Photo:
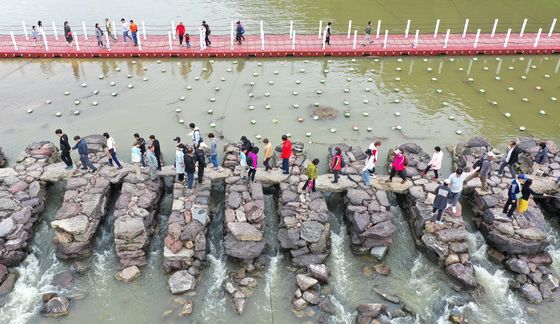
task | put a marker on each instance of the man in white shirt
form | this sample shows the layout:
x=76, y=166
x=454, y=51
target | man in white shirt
x=125, y=30
x=112, y=149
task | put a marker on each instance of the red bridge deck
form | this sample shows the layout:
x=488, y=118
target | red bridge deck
x=281, y=46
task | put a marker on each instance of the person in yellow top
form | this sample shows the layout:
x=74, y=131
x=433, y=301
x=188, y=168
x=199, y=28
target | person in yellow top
x=311, y=174
x=267, y=154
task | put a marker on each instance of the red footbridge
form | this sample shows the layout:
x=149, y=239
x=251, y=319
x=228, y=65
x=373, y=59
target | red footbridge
x=161, y=44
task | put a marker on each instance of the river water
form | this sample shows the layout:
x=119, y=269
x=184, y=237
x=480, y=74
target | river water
x=433, y=97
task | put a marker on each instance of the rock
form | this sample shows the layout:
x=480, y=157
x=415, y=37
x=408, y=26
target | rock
x=22, y=216
x=248, y=282
x=532, y=294
x=234, y=200
x=319, y=272
x=506, y=228
x=311, y=297
x=518, y=266
x=3, y=272
x=75, y=225
x=186, y=309
x=512, y=245
x=464, y=274
x=382, y=198
x=55, y=307
x=451, y=259
x=495, y=255
x=311, y=231
x=239, y=302
x=326, y=306
x=63, y=279
x=456, y=316
x=289, y=196
x=128, y=274
x=300, y=303
x=531, y=233
x=307, y=259
x=8, y=283
x=453, y=235
x=382, y=269
x=417, y=192
x=371, y=310
x=7, y=226
x=357, y=196
x=181, y=282
x=550, y=282
x=305, y=282
x=478, y=141
x=244, y=231
x=230, y=288
x=379, y=252
x=243, y=249
x=380, y=231
x=45, y=297
x=441, y=249
x=388, y=297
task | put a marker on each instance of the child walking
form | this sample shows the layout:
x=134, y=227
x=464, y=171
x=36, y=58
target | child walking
x=311, y=174
x=252, y=159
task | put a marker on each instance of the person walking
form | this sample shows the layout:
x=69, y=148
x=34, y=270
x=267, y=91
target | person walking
x=201, y=161
x=541, y=160
x=67, y=34
x=268, y=152
x=511, y=158
x=152, y=162
x=367, y=35
x=442, y=195
x=82, y=148
x=188, y=40
x=246, y=144
x=456, y=181
x=328, y=33
x=65, y=149
x=239, y=31
x=252, y=162
x=311, y=173
x=398, y=166
x=514, y=194
x=34, y=34
x=243, y=163
x=40, y=28
x=142, y=146
x=213, y=151
x=125, y=30
x=109, y=30
x=134, y=31
x=157, y=150
x=207, y=31
x=369, y=167
x=99, y=35
x=135, y=157
x=190, y=167
x=180, y=162
x=180, y=31
x=196, y=137
x=285, y=154
x=526, y=192
x=112, y=150
x=337, y=164
x=485, y=170
x=374, y=147
x=435, y=163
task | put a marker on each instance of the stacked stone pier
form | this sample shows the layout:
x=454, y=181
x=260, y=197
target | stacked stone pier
x=22, y=197
x=519, y=243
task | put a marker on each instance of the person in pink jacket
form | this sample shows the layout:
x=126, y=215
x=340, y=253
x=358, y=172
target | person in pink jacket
x=435, y=163
x=398, y=166
x=252, y=160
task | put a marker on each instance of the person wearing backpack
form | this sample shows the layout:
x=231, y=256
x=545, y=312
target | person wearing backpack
x=514, y=194
x=239, y=31
x=398, y=166
x=142, y=148
x=99, y=35
x=190, y=167
x=252, y=160
x=337, y=164
x=541, y=159
x=311, y=173
x=374, y=147
x=197, y=139
x=243, y=163
x=201, y=160
x=442, y=196
x=369, y=167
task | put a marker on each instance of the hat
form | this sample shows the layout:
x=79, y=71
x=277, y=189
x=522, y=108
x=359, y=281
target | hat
x=446, y=181
x=522, y=177
x=397, y=151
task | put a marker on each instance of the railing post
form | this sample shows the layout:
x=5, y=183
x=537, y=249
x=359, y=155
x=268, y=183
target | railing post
x=476, y=38
x=494, y=27
x=54, y=30
x=202, y=44
x=355, y=39
x=170, y=41
x=320, y=28
x=324, y=39
x=415, y=43
x=85, y=31
x=173, y=29
x=466, y=27
x=139, y=43
x=115, y=31
x=507, y=37
x=349, y=27
x=231, y=36
x=446, y=38
x=291, y=28
x=537, y=38
x=77, y=43
x=262, y=36
x=407, y=28
x=523, y=27
x=294, y=40
x=13, y=40
x=109, y=43
x=378, y=29
x=551, y=27
x=25, y=30
x=45, y=41
x=437, y=27
x=385, y=40
x=143, y=30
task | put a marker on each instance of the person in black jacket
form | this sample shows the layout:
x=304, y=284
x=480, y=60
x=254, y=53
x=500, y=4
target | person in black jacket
x=246, y=144
x=201, y=160
x=190, y=167
x=157, y=150
x=65, y=149
x=142, y=142
x=512, y=156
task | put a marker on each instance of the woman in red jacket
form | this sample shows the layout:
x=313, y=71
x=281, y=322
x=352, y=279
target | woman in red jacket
x=398, y=166
x=336, y=164
x=286, y=153
x=180, y=31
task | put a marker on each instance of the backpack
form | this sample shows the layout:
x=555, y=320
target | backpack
x=342, y=162
x=249, y=160
x=242, y=31
x=405, y=160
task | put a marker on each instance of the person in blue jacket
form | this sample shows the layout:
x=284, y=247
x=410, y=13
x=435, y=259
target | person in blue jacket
x=514, y=193
x=82, y=148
